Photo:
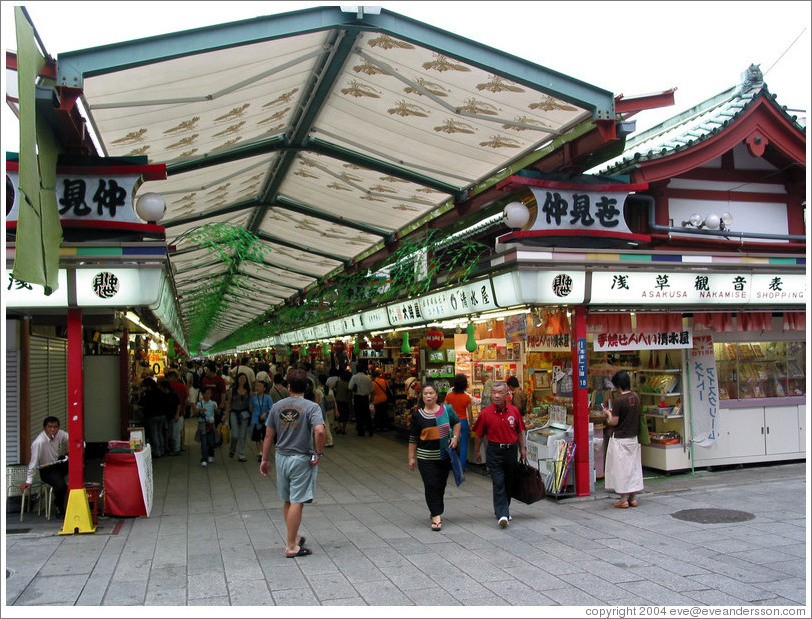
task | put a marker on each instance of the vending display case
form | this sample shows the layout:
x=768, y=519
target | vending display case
x=758, y=370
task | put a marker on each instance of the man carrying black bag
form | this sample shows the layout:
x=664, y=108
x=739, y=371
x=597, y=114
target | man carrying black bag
x=503, y=426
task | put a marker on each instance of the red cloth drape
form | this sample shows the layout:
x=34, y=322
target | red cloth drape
x=794, y=321
x=720, y=322
x=754, y=321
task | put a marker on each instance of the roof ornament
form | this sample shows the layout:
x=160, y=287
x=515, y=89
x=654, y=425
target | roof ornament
x=752, y=79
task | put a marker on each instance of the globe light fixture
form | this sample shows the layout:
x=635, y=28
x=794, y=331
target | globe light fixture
x=694, y=220
x=713, y=221
x=516, y=215
x=150, y=207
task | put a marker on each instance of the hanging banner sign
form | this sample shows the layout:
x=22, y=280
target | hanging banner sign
x=375, y=320
x=567, y=207
x=97, y=195
x=96, y=287
x=470, y=298
x=549, y=343
x=115, y=287
x=20, y=294
x=668, y=288
x=703, y=386
x=666, y=340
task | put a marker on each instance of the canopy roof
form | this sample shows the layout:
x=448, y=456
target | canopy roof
x=322, y=133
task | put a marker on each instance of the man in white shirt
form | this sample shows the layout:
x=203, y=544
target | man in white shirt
x=46, y=450
x=361, y=387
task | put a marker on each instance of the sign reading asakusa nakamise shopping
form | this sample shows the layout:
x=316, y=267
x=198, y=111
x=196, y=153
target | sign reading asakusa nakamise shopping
x=657, y=288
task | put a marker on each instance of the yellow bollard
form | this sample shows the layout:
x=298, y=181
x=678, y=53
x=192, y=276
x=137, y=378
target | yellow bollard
x=77, y=514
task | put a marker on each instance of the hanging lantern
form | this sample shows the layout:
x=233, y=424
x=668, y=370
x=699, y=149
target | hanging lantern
x=406, y=348
x=470, y=343
x=325, y=350
x=170, y=349
x=313, y=350
x=377, y=343
x=357, y=349
x=434, y=339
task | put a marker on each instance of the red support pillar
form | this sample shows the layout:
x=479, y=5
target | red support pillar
x=580, y=403
x=76, y=421
x=77, y=514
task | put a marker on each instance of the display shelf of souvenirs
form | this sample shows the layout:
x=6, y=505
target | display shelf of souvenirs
x=755, y=370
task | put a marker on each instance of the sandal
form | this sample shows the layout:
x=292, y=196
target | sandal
x=633, y=503
x=622, y=504
x=437, y=526
x=303, y=552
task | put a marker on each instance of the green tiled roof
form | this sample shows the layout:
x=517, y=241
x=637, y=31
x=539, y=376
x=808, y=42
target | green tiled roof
x=692, y=126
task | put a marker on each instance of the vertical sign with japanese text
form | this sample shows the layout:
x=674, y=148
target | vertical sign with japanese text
x=704, y=391
x=582, y=384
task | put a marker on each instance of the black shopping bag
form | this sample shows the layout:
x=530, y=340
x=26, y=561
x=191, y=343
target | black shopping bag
x=527, y=485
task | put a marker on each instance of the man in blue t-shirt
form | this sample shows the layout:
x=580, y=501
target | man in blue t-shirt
x=294, y=422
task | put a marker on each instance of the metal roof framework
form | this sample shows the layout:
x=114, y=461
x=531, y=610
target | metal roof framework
x=326, y=134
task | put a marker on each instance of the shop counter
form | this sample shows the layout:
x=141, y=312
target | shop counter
x=128, y=483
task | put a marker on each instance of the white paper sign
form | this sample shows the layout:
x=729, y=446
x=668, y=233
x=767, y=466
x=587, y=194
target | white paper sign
x=703, y=385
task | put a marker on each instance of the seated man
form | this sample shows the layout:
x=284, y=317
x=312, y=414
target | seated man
x=46, y=450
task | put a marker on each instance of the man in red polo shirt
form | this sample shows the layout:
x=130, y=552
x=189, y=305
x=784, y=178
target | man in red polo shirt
x=503, y=426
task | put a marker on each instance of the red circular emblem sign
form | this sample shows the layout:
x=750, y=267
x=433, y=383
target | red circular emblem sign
x=434, y=339
x=377, y=343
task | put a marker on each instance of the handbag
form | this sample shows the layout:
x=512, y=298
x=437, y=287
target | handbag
x=222, y=434
x=456, y=465
x=643, y=437
x=527, y=485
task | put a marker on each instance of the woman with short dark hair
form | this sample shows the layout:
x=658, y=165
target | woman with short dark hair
x=624, y=468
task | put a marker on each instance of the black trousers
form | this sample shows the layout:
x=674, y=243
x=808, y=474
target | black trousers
x=502, y=464
x=54, y=476
x=381, y=419
x=363, y=418
x=435, y=477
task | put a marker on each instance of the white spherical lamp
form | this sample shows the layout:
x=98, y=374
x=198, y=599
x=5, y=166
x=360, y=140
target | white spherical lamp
x=712, y=221
x=516, y=215
x=150, y=207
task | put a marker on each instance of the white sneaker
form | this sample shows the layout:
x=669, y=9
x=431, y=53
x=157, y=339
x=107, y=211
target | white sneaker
x=503, y=522
x=203, y=464
x=211, y=459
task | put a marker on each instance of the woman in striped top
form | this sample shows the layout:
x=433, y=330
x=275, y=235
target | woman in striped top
x=433, y=428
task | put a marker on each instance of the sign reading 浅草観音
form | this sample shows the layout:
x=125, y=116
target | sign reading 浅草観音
x=687, y=288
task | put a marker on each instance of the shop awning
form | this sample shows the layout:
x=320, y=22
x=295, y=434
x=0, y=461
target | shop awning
x=322, y=133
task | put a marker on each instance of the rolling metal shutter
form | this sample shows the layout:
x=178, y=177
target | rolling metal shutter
x=49, y=382
x=12, y=412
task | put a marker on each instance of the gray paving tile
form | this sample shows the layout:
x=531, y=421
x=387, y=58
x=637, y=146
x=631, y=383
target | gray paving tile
x=125, y=593
x=382, y=593
x=253, y=592
x=301, y=596
x=208, y=585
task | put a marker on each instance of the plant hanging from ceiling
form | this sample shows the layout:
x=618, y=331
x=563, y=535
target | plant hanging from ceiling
x=231, y=245
x=412, y=269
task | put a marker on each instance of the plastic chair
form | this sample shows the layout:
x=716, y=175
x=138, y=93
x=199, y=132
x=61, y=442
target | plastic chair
x=16, y=475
